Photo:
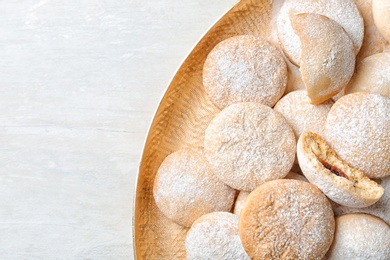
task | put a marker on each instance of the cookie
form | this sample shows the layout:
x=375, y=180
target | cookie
x=344, y=12
x=247, y=144
x=334, y=177
x=286, y=219
x=328, y=60
x=186, y=188
x=358, y=130
x=244, y=68
x=301, y=114
x=360, y=237
x=381, y=14
x=242, y=196
x=215, y=236
x=380, y=209
x=372, y=75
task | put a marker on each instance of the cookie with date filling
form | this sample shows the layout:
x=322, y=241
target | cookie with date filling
x=358, y=129
x=339, y=181
x=380, y=209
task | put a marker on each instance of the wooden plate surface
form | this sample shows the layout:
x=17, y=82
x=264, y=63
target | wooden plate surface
x=185, y=112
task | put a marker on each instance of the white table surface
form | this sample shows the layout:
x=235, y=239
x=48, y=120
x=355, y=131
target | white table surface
x=79, y=84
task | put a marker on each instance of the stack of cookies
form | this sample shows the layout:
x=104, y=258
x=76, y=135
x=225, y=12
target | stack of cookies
x=298, y=175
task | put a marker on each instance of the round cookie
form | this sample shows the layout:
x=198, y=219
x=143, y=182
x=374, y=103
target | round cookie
x=241, y=198
x=334, y=177
x=215, y=236
x=360, y=237
x=381, y=14
x=327, y=60
x=380, y=209
x=286, y=219
x=301, y=114
x=186, y=188
x=372, y=75
x=358, y=129
x=248, y=144
x=244, y=69
x=344, y=12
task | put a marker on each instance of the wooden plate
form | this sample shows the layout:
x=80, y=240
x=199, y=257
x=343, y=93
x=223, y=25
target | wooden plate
x=185, y=112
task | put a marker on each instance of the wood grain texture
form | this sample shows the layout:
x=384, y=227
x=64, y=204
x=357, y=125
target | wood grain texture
x=79, y=84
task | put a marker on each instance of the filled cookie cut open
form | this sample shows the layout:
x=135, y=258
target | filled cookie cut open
x=340, y=182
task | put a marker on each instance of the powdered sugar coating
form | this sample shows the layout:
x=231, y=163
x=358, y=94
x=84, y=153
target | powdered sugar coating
x=381, y=14
x=360, y=237
x=248, y=144
x=372, y=75
x=358, y=129
x=243, y=195
x=244, y=69
x=301, y=114
x=215, y=236
x=351, y=189
x=186, y=188
x=286, y=219
x=344, y=12
x=327, y=60
x=381, y=209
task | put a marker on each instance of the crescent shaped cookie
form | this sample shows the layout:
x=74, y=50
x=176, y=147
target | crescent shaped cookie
x=344, y=12
x=328, y=59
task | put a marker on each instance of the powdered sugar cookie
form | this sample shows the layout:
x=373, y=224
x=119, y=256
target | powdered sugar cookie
x=358, y=129
x=286, y=219
x=372, y=75
x=244, y=69
x=334, y=177
x=248, y=144
x=215, y=236
x=186, y=188
x=328, y=59
x=301, y=114
x=242, y=196
x=344, y=12
x=360, y=237
x=381, y=14
x=380, y=209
